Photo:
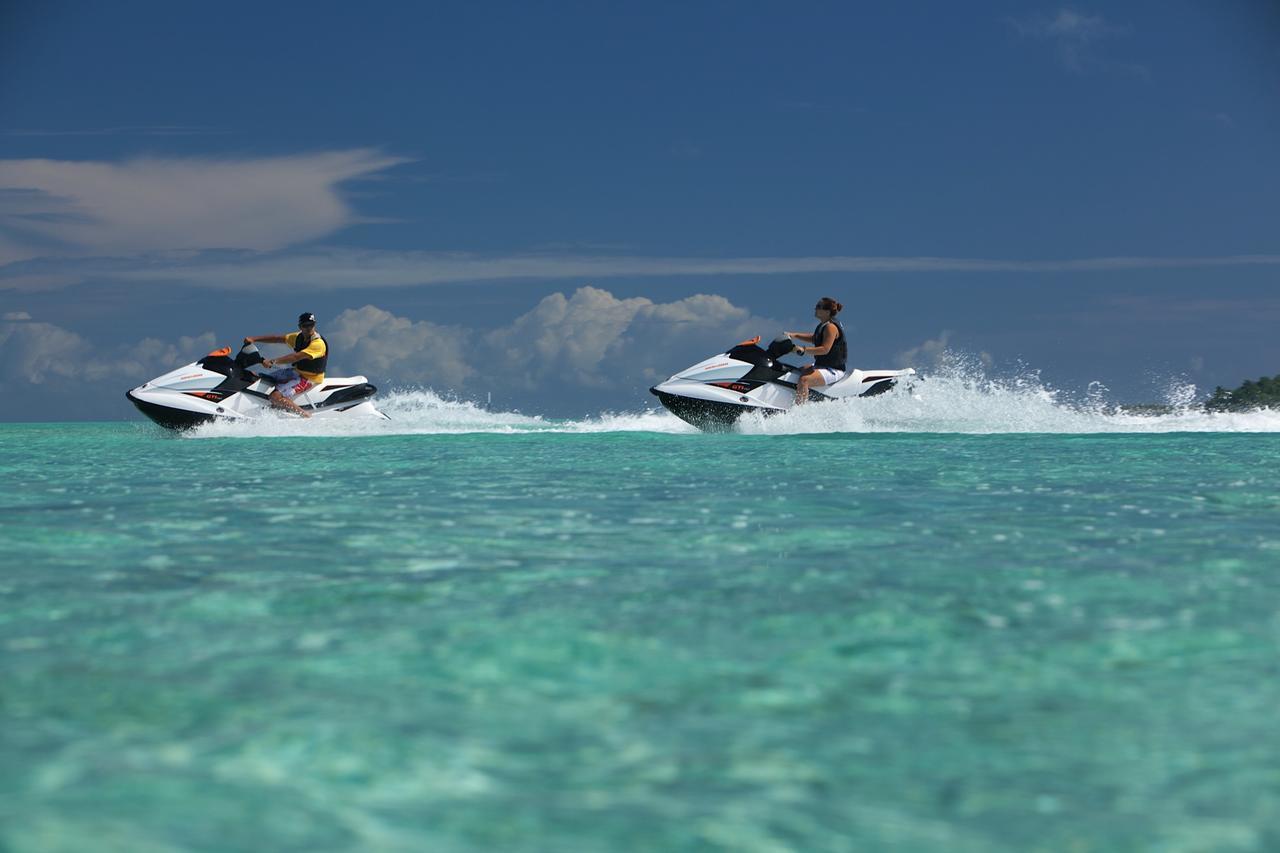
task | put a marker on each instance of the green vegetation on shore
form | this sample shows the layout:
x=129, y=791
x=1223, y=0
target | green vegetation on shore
x=1251, y=395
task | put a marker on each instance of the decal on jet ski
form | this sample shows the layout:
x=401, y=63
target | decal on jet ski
x=740, y=387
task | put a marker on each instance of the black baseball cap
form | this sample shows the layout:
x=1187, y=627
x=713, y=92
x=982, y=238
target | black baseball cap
x=305, y=318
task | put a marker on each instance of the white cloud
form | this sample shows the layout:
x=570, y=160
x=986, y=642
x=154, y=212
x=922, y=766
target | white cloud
x=937, y=353
x=595, y=339
x=355, y=269
x=151, y=205
x=589, y=339
x=374, y=341
x=929, y=352
x=32, y=353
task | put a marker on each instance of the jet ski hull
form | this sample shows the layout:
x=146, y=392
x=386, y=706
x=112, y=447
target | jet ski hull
x=709, y=415
x=168, y=416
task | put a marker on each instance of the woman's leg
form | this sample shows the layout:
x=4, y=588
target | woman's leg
x=812, y=379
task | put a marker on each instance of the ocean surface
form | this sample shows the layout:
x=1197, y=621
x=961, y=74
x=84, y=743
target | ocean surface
x=955, y=619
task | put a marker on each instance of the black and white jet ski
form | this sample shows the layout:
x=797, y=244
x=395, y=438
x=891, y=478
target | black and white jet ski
x=715, y=392
x=221, y=387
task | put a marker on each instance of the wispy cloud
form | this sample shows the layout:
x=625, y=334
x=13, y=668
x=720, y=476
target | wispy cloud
x=354, y=269
x=1075, y=37
x=152, y=205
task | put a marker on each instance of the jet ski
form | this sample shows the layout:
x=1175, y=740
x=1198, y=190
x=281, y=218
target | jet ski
x=221, y=387
x=715, y=392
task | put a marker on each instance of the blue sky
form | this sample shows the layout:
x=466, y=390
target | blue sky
x=555, y=203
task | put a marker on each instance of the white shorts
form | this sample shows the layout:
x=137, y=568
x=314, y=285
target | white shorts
x=829, y=374
x=289, y=382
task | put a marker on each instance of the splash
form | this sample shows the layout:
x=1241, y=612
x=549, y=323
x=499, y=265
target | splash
x=959, y=397
x=424, y=412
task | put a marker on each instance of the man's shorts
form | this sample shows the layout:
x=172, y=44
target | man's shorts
x=289, y=382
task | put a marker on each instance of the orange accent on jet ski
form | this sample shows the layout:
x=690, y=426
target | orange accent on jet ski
x=220, y=352
x=751, y=342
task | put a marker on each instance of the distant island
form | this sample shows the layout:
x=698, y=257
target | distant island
x=1251, y=395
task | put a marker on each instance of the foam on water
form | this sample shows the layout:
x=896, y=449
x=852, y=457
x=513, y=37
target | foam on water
x=957, y=398
x=950, y=404
x=424, y=412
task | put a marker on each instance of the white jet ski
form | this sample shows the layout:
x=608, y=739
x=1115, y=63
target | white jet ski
x=714, y=393
x=221, y=387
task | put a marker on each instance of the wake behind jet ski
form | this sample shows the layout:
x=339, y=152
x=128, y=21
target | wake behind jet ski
x=221, y=387
x=715, y=392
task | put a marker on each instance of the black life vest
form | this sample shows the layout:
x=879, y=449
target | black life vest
x=838, y=354
x=310, y=365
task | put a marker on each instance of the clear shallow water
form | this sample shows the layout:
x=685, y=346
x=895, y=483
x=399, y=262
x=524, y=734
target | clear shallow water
x=476, y=631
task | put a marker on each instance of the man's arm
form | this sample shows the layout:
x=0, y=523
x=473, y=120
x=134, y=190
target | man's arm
x=315, y=349
x=265, y=339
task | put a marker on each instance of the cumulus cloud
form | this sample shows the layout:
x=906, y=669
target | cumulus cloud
x=936, y=353
x=153, y=205
x=380, y=343
x=33, y=352
x=594, y=339
x=587, y=339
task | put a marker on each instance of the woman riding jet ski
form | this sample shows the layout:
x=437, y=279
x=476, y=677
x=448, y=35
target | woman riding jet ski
x=218, y=386
x=715, y=392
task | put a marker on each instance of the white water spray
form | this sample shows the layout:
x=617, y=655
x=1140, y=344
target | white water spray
x=959, y=397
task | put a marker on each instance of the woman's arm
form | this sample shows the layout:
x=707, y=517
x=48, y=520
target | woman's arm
x=828, y=339
x=800, y=336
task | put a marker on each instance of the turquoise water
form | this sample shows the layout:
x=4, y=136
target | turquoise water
x=476, y=631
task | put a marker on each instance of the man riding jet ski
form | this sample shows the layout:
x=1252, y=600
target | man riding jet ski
x=219, y=386
x=714, y=393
